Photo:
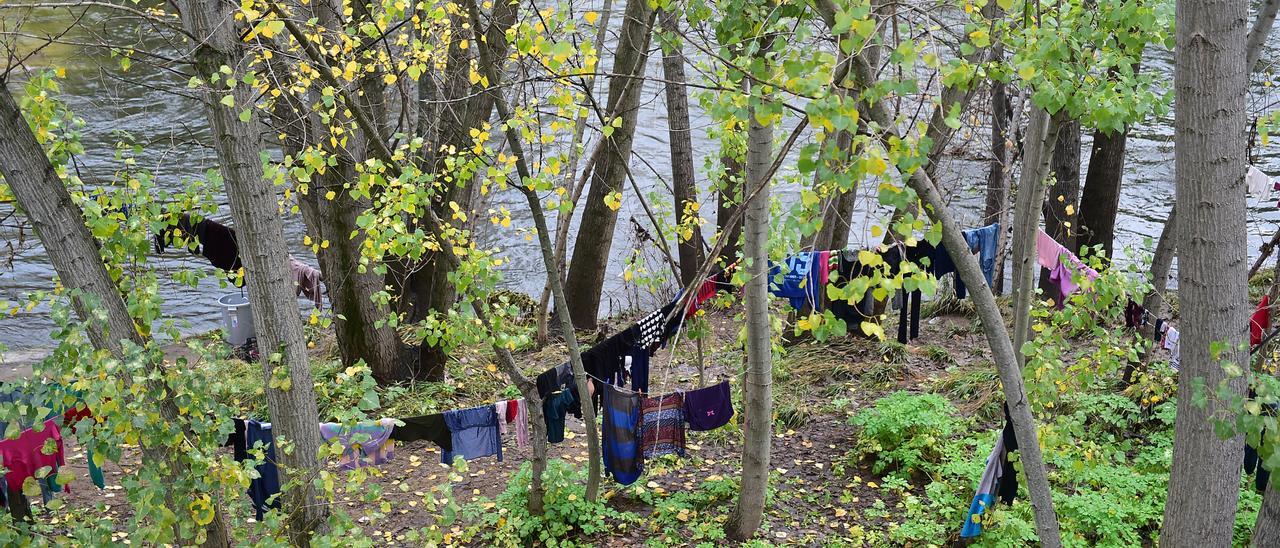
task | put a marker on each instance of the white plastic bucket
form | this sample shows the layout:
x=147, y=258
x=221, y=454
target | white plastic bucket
x=237, y=318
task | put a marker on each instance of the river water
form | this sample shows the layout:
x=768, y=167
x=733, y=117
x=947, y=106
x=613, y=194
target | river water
x=175, y=139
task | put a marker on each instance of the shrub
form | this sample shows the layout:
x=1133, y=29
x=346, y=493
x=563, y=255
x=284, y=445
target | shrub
x=903, y=432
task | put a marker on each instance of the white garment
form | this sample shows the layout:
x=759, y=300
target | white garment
x=1257, y=183
x=1174, y=347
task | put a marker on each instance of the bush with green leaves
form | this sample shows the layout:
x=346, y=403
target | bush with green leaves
x=904, y=433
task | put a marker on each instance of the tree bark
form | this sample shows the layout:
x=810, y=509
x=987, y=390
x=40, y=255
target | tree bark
x=758, y=386
x=683, y=181
x=74, y=254
x=728, y=199
x=590, y=261
x=290, y=396
x=999, y=170
x=1266, y=530
x=1210, y=142
x=1262, y=25
x=1100, y=199
x=1038, y=151
x=1064, y=196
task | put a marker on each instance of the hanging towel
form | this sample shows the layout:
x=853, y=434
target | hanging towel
x=1257, y=183
x=249, y=433
x=1260, y=322
x=474, y=432
x=620, y=445
x=708, y=408
x=427, y=427
x=986, y=495
x=365, y=444
x=1172, y=344
x=521, y=420
x=500, y=407
x=662, y=426
x=554, y=410
x=307, y=281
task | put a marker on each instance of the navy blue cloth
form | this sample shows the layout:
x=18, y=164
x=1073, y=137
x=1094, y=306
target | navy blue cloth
x=474, y=432
x=800, y=284
x=249, y=433
x=639, y=369
x=620, y=444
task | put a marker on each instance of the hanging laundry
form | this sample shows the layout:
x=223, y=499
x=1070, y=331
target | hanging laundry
x=25, y=455
x=307, y=281
x=365, y=444
x=637, y=362
x=801, y=279
x=620, y=447
x=1252, y=464
x=427, y=427
x=475, y=433
x=1061, y=263
x=521, y=420
x=853, y=313
x=662, y=426
x=71, y=419
x=1257, y=183
x=248, y=435
x=1134, y=315
x=716, y=282
x=554, y=410
x=604, y=362
x=708, y=408
x=985, y=242
x=1174, y=347
x=554, y=379
x=1260, y=321
x=500, y=407
x=649, y=332
x=216, y=242
x=986, y=496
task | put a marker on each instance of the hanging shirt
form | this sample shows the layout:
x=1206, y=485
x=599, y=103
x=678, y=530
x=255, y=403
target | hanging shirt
x=708, y=408
x=521, y=421
x=554, y=379
x=554, y=410
x=249, y=433
x=1134, y=314
x=1260, y=321
x=474, y=432
x=307, y=281
x=427, y=427
x=984, y=241
x=1061, y=263
x=1257, y=183
x=217, y=242
x=853, y=313
x=500, y=407
x=25, y=455
x=365, y=444
x=801, y=279
x=1172, y=344
x=662, y=426
x=620, y=446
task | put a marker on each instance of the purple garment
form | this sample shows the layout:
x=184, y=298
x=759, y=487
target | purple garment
x=708, y=408
x=365, y=444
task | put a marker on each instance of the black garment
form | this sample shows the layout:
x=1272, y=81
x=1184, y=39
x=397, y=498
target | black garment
x=549, y=381
x=1158, y=334
x=1007, y=490
x=427, y=427
x=1134, y=314
x=217, y=242
x=604, y=361
x=848, y=268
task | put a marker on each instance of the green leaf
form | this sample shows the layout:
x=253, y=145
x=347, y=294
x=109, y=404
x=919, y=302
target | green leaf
x=228, y=101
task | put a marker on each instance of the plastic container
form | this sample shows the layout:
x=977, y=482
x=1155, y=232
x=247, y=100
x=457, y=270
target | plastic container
x=237, y=318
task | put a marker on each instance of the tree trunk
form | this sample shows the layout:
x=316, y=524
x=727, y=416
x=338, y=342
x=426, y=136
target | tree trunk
x=1064, y=196
x=999, y=170
x=1266, y=530
x=758, y=384
x=1040, y=138
x=683, y=182
x=1262, y=25
x=590, y=260
x=74, y=254
x=1209, y=164
x=728, y=198
x=1100, y=200
x=290, y=396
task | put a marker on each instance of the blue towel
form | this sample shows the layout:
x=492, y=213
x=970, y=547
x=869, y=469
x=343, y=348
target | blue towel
x=474, y=432
x=986, y=495
x=800, y=283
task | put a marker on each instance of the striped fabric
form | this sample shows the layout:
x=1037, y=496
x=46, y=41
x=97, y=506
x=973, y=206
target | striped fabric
x=662, y=425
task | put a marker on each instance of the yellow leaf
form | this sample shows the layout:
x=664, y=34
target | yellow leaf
x=389, y=78
x=591, y=17
x=330, y=195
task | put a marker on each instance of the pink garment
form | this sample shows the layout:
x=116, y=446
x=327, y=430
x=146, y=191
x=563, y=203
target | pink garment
x=824, y=271
x=24, y=456
x=365, y=444
x=501, y=408
x=522, y=423
x=1048, y=250
x=307, y=280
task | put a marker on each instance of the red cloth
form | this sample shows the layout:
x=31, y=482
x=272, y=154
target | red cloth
x=512, y=407
x=74, y=414
x=824, y=271
x=24, y=455
x=1260, y=322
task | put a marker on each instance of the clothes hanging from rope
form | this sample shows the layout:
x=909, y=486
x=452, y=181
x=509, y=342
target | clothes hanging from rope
x=554, y=379
x=662, y=426
x=520, y=419
x=620, y=445
x=215, y=241
x=364, y=444
x=708, y=408
x=25, y=455
x=555, y=408
x=248, y=434
x=985, y=241
x=1061, y=263
x=801, y=279
x=637, y=363
x=1260, y=321
x=426, y=427
x=1257, y=183
x=306, y=279
x=474, y=432
x=853, y=313
x=986, y=495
